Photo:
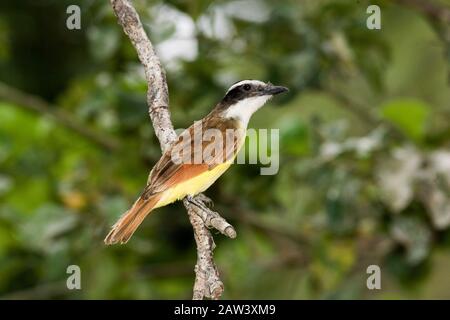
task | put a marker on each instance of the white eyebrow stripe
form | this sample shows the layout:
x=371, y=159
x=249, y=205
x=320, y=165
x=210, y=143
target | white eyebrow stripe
x=253, y=82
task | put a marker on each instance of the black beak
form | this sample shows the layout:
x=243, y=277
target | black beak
x=273, y=90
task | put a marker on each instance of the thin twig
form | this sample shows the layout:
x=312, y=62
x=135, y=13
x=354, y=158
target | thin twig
x=38, y=105
x=207, y=281
x=433, y=10
x=365, y=114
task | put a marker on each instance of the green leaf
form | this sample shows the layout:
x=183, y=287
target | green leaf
x=295, y=137
x=408, y=115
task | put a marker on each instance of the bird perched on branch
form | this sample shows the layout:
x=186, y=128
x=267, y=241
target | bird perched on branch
x=200, y=155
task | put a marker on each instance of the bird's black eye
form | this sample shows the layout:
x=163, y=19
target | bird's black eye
x=247, y=87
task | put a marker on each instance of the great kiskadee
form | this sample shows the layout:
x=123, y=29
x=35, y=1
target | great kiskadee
x=171, y=179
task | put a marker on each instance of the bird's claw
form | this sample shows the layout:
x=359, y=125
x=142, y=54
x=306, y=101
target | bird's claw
x=206, y=200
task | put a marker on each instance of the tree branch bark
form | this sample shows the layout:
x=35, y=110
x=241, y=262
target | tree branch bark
x=207, y=282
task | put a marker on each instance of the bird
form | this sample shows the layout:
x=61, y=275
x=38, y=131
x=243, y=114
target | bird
x=195, y=161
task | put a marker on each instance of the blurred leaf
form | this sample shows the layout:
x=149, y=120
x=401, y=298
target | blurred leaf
x=294, y=137
x=397, y=175
x=44, y=230
x=408, y=115
x=104, y=41
x=414, y=236
x=435, y=188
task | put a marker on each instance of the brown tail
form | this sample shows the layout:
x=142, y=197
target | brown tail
x=124, y=228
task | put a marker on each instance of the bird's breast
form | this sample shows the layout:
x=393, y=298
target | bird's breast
x=203, y=181
x=193, y=186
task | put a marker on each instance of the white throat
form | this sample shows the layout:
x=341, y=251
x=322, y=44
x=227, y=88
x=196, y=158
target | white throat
x=244, y=109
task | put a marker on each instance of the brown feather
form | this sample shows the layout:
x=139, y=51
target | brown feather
x=124, y=228
x=166, y=174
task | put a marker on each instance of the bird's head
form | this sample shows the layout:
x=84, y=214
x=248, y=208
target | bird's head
x=246, y=96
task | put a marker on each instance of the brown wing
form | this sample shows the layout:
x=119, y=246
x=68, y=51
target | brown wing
x=198, y=149
x=205, y=152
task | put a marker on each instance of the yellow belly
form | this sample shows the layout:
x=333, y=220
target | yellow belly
x=192, y=186
x=199, y=183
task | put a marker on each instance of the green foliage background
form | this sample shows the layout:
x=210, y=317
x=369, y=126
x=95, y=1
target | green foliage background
x=364, y=152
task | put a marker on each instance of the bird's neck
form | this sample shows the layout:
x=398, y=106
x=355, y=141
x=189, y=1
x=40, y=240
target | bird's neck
x=244, y=109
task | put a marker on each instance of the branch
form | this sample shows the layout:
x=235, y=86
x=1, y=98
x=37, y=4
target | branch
x=433, y=10
x=38, y=105
x=364, y=114
x=207, y=281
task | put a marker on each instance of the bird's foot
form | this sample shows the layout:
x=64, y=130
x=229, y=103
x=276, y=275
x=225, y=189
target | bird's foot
x=198, y=202
x=206, y=200
x=211, y=218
